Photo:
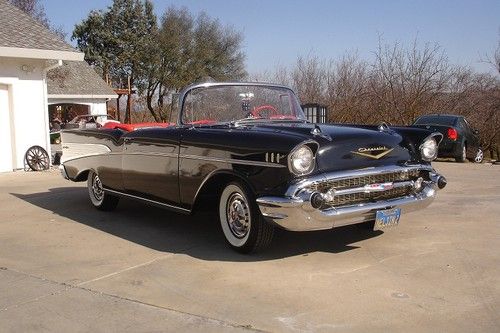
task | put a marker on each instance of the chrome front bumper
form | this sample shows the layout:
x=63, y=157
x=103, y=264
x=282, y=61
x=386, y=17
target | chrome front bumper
x=295, y=212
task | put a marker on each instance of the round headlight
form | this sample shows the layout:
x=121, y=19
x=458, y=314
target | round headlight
x=301, y=161
x=429, y=149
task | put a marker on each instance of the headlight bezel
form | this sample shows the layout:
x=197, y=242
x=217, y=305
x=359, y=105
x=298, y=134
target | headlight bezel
x=433, y=139
x=309, y=146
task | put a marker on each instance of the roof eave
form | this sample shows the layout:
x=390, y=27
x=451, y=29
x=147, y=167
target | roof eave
x=19, y=52
x=61, y=96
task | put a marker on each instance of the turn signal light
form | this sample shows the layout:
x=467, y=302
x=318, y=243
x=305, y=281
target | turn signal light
x=452, y=134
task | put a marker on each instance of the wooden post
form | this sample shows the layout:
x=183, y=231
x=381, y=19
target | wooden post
x=118, y=107
x=127, y=112
x=129, y=102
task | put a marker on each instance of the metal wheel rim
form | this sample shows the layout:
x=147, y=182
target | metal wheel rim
x=97, y=190
x=237, y=214
x=479, y=156
x=37, y=158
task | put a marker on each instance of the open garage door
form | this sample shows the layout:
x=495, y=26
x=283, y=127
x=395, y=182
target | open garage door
x=5, y=131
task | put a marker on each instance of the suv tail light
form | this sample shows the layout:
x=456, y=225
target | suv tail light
x=452, y=134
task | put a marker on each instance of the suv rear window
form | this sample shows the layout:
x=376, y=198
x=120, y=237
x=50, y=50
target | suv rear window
x=436, y=120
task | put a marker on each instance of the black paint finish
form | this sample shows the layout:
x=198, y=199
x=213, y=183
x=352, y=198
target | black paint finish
x=170, y=165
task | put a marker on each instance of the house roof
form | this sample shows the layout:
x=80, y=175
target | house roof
x=21, y=36
x=75, y=80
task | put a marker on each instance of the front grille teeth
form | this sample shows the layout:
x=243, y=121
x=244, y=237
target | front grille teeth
x=355, y=198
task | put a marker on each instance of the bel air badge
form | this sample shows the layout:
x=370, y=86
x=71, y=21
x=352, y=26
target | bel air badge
x=374, y=152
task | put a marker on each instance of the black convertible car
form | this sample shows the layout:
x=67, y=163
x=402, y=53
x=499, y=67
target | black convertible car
x=249, y=146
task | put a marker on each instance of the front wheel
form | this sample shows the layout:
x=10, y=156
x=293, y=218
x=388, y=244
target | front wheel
x=100, y=199
x=243, y=226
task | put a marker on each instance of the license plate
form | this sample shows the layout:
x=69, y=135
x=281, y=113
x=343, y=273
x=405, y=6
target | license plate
x=387, y=218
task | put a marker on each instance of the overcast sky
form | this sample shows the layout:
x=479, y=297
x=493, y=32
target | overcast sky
x=276, y=32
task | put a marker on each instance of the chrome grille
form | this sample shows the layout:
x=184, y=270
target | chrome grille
x=354, y=198
x=361, y=181
x=340, y=184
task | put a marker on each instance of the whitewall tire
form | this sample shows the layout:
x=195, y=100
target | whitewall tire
x=241, y=222
x=98, y=197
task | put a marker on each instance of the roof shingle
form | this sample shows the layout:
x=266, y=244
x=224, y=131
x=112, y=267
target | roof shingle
x=76, y=78
x=17, y=29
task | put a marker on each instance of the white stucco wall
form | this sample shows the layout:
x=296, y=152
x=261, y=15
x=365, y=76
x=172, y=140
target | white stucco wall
x=5, y=137
x=28, y=116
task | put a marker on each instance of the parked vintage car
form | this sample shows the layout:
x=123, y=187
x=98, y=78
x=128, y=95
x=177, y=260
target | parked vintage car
x=460, y=140
x=80, y=122
x=249, y=146
x=89, y=121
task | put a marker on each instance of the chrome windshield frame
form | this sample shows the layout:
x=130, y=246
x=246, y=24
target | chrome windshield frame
x=188, y=89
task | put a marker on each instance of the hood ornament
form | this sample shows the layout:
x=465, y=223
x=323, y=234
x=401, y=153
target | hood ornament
x=373, y=152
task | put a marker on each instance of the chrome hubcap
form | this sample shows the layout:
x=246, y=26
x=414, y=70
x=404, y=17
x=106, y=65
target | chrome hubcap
x=237, y=213
x=479, y=156
x=97, y=189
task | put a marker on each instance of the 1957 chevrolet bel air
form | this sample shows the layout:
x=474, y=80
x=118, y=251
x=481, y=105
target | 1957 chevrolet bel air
x=249, y=146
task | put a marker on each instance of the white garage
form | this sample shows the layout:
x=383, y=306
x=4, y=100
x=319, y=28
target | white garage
x=75, y=85
x=27, y=52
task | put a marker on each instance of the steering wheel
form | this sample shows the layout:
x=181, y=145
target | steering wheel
x=257, y=110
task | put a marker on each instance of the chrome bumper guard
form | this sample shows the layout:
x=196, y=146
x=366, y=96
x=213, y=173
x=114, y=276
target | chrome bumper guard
x=295, y=212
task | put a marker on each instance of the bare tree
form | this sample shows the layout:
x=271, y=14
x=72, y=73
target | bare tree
x=36, y=10
x=406, y=81
x=280, y=75
x=347, y=94
x=308, y=78
x=493, y=59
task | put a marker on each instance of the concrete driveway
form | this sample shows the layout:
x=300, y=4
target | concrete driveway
x=65, y=266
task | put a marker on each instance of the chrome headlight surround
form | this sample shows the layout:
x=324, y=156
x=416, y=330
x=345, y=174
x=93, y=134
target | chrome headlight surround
x=429, y=147
x=302, y=159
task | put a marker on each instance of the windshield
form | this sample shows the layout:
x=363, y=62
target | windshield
x=436, y=120
x=229, y=103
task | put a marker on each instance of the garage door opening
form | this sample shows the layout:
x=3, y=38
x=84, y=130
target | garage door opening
x=61, y=114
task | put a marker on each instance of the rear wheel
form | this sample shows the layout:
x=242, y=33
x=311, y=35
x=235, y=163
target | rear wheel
x=479, y=156
x=463, y=154
x=243, y=225
x=99, y=198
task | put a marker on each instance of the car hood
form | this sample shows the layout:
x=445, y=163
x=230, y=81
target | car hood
x=353, y=147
